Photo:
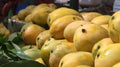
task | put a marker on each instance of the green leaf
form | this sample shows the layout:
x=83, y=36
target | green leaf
x=12, y=36
x=12, y=50
x=10, y=14
x=2, y=39
x=23, y=63
x=20, y=53
x=16, y=37
x=8, y=46
x=18, y=49
x=3, y=59
x=12, y=56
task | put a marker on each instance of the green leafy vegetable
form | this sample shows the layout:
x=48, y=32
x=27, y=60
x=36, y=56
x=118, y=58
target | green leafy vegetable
x=11, y=51
x=10, y=14
x=23, y=63
x=16, y=37
x=11, y=54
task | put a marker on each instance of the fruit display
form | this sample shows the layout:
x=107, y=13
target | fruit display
x=54, y=36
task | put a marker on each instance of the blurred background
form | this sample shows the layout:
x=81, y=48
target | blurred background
x=102, y=6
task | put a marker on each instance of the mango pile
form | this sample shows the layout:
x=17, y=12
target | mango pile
x=64, y=37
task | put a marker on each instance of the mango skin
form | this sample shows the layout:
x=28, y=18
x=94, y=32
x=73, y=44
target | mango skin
x=60, y=12
x=114, y=27
x=117, y=65
x=109, y=57
x=100, y=20
x=58, y=26
x=49, y=44
x=87, y=35
x=76, y=58
x=60, y=51
x=100, y=45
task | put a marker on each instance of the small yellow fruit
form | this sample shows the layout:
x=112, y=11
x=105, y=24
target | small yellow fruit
x=109, y=57
x=40, y=16
x=60, y=12
x=3, y=30
x=52, y=5
x=23, y=13
x=42, y=37
x=60, y=51
x=25, y=26
x=88, y=16
x=28, y=18
x=31, y=32
x=114, y=27
x=15, y=17
x=87, y=35
x=58, y=26
x=71, y=28
x=100, y=45
x=42, y=5
x=103, y=19
x=49, y=44
x=76, y=58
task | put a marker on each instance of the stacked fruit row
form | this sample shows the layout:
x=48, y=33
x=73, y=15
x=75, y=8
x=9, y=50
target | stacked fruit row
x=35, y=13
x=72, y=39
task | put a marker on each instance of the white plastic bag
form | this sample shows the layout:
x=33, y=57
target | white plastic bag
x=116, y=5
x=61, y=1
x=90, y=2
x=81, y=2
